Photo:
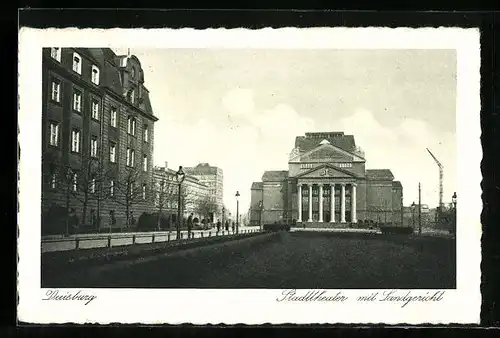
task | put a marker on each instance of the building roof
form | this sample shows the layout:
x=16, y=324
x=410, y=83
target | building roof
x=202, y=168
x=379, y=174
x=397, y=184
x=275, y=175
x=256, y=186
x=110, y=66
x=313, y=140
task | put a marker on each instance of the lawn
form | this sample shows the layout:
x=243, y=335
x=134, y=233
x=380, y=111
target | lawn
x=297, y=260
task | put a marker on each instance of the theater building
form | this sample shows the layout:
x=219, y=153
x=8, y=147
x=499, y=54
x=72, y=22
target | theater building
x=326, y=185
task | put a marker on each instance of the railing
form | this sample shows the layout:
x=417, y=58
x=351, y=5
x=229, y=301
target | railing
x=89, y=241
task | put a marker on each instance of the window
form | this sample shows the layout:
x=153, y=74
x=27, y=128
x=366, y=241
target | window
x=133, y=72
x=95, y=109
x=75, y=181
x=130, y=157
x=77, y=63
x=56, y=91
x=75, y=141
x=92, y=186
x=112, y=188
x=93, y=146
x=146, y=133
x=112, y=152
x=132, y=96
x=54, y=134
x=144, y=191
x=95, y=75
x=145, y=163
x=131, y=125
x=113, y=117
x=53, y=181
x=132, y=189
x=345, y=165
x=55, y=53
x=77, y=101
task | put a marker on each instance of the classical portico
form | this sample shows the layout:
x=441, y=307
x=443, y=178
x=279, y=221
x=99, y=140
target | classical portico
x=317, y=198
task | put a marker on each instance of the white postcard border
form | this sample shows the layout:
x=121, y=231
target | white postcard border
x=229, y=306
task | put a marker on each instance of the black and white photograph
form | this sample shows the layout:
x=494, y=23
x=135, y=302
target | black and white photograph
x=292, y=169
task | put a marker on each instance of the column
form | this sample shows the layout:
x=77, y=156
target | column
x=353, y=203
x=310, y=219
x=342, y=202
x=321, y=202
x=299, y=202
x=332, y=202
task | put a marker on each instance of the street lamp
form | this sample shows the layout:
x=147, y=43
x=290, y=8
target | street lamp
x=237, y=211
x=179, y=176
x=223, y=216
x=413, y=215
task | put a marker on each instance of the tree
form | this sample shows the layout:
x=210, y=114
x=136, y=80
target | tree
x=206, y=206
x=89, y=183
x=129, y=190
x=166, y=193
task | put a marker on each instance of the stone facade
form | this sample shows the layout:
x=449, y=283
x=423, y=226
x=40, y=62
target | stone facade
x=323, y=165
x=213, y=177
x=97, y=138
x=166, y=192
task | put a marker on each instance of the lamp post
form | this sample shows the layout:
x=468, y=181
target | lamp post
x=237, y=211
x=223, y=216
x=413, y=215
x=454, y=201
x=179, y=176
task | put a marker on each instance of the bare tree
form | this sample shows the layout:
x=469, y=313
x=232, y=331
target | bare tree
x=166, y=192
x=129, y=189
x=206, y=206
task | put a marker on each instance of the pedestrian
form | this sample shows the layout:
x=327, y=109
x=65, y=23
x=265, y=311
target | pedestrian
x=227, y=225
x=218, y=226
x=233, y=227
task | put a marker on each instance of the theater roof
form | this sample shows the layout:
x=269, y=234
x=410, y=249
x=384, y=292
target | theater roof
x=397, y=184
x=275, y=175
x=379, y=174
x=256, y=185
x=313, y=140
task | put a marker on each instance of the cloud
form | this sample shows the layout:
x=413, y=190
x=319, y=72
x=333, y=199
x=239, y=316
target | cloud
x=403, y=150
x=239, y=101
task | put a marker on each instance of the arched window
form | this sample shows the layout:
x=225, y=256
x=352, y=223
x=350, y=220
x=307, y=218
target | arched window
x=95, y=75
x=77, y=63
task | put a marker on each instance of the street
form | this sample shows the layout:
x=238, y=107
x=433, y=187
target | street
x=294, y=260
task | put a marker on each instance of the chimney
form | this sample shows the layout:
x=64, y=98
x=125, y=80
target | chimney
x=166, y=165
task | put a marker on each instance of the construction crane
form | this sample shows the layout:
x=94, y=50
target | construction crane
x=440, y=207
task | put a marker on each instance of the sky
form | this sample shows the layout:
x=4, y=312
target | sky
x=241, y=109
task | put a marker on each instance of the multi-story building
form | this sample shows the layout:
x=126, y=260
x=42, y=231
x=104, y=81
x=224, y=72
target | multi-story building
x=97, y=139
x=166, y=194
x=213, y=177
x=326, y=185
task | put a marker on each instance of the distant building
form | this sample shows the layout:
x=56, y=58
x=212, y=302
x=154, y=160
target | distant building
x=166, y=192
x=97, y=139
x=326, y=185
x=213, y=177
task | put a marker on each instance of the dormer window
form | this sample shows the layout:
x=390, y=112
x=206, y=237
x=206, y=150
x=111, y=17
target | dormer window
x=55, y=53
x=77, y=63
x=133, y=72
x=95, y=75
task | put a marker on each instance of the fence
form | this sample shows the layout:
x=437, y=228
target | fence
x=90, y=241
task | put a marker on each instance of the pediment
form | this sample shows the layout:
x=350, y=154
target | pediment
x=326, y=171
